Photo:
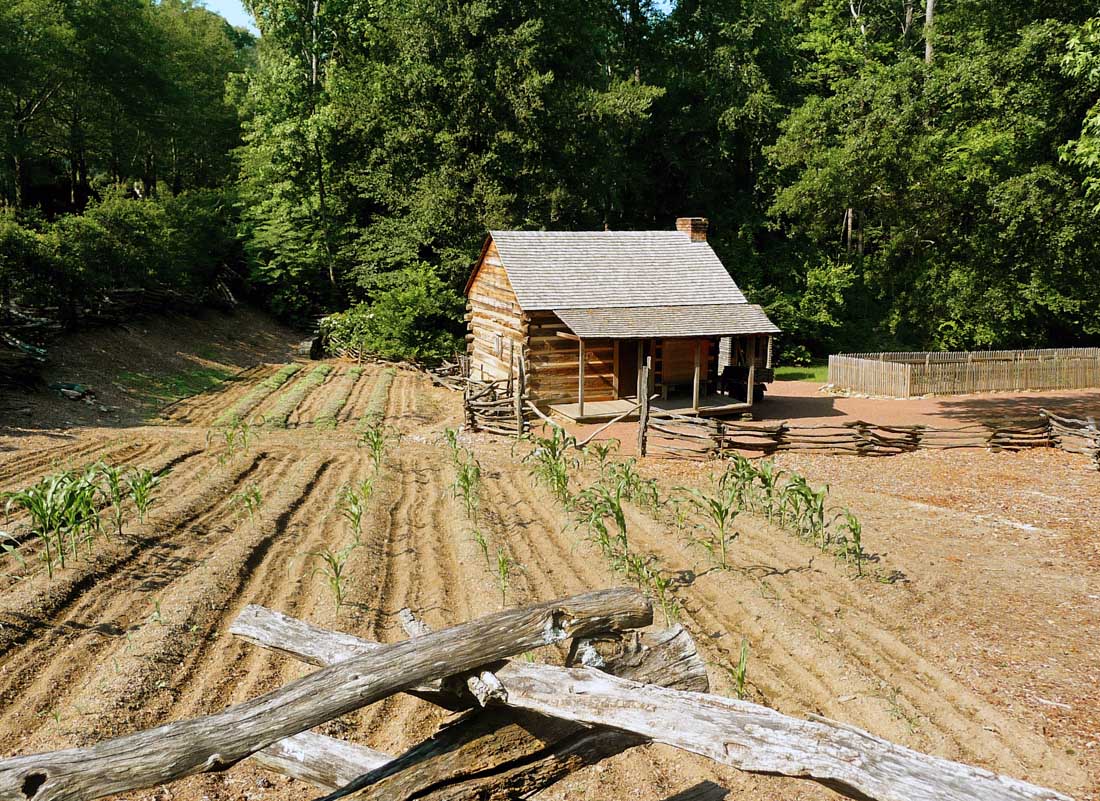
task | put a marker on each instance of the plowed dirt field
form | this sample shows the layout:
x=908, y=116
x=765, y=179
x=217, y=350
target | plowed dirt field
x=970, y=638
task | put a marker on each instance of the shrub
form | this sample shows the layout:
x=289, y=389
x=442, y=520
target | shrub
x=415, y=318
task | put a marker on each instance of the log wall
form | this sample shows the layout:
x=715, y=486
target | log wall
x=553, y=366
x=496, y=324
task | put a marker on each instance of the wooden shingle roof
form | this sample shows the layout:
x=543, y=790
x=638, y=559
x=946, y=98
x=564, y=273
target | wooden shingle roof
x=552, y=270
x=716, y=319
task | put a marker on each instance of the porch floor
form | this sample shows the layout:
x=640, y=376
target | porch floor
x=597, y=411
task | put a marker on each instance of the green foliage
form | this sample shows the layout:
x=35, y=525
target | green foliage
x=333, y=569
x=551, y=462
x=414, y=318
x=284, y=407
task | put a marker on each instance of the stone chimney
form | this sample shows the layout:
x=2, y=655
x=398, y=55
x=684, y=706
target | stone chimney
x=695, y=227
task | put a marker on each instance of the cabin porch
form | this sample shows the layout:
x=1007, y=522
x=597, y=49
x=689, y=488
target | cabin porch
x=604, y=410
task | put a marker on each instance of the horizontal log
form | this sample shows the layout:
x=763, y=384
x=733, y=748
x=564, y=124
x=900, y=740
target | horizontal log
x=510, y=752
x=757, y=739
x=319, y=760
x=215, y=742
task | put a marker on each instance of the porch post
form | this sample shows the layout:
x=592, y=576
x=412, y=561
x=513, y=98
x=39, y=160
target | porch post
x=580, y=378
x=752, y=372
x=615, y=369
x=769, y=364
x=695, y=379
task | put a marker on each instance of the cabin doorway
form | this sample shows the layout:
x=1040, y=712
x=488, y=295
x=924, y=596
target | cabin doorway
x=627, y=371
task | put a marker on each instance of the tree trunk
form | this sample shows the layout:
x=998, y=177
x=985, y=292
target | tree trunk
x=217, y=741
x=929, y=7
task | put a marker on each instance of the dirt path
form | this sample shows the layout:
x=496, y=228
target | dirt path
x=134, y=633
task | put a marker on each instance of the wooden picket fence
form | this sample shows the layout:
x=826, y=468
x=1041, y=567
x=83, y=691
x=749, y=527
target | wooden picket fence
x=707, y=438
x=526, y=725
x=915, y=373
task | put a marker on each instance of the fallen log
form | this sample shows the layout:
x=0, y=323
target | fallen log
x=494, y=753
x=322, y=761
x=743, y=735
x=757, y=739
x=215, y=742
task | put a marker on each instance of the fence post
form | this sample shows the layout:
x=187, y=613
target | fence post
x=468, y=409
x=643, y=408
x=520, y=390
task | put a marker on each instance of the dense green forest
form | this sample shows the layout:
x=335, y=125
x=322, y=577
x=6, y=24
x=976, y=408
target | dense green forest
x=877, y=173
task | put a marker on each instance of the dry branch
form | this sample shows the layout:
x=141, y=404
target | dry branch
x=215, y=742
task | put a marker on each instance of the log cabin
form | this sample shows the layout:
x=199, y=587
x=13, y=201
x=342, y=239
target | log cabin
x=583, y=311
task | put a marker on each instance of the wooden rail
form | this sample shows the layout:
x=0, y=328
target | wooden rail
x=914, y=373
x=706, y=438
x=539, y=722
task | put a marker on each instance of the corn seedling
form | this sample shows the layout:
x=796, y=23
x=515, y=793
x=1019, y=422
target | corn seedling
x=483, y=544
x=143, y=483
x=250, y=499
x=737, y=674
x=720, y=509
x=551, y=464
x=44, y=503
x=768, y=475
x=352, y=507
x=468, y=486
x=504, y=571
x=114, y=491
x=452, y=443
x=376, y=436
x=332, y=568
x=850, y=542
x=601, y=451
x=662, y=593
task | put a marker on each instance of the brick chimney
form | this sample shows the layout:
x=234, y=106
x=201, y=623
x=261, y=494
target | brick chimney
x=695, y=227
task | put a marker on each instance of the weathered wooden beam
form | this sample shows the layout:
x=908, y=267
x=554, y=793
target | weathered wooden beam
x=319, y=760
x=215, y=742
x=757, y=739
x=498, y=752
x=743, y=735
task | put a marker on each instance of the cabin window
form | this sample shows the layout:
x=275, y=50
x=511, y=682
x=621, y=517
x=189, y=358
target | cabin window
x=499, y=345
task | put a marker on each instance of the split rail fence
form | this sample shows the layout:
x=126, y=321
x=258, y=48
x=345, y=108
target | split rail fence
x=706, y=438
x=915, y=373
x=524, y=725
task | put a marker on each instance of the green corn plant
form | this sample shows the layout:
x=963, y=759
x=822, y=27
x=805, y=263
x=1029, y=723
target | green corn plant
x=333, y=565
x=80, y=511
x=768, y=475
x=850, y=542
x=601, y=451
x=483, y=544
x=504, y=571
x=375, y=436
x=551, y=463
x=143, y=484
x=43, y=503
x=352, y=507
x=738, y=480
x=720, y=509
x=737, y=674
x=661, y=587
x=467, y=486
x=250, y=499
x=114, y=491
x=452, y=443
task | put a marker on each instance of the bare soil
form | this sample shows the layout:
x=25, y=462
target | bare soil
x=972, y=637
